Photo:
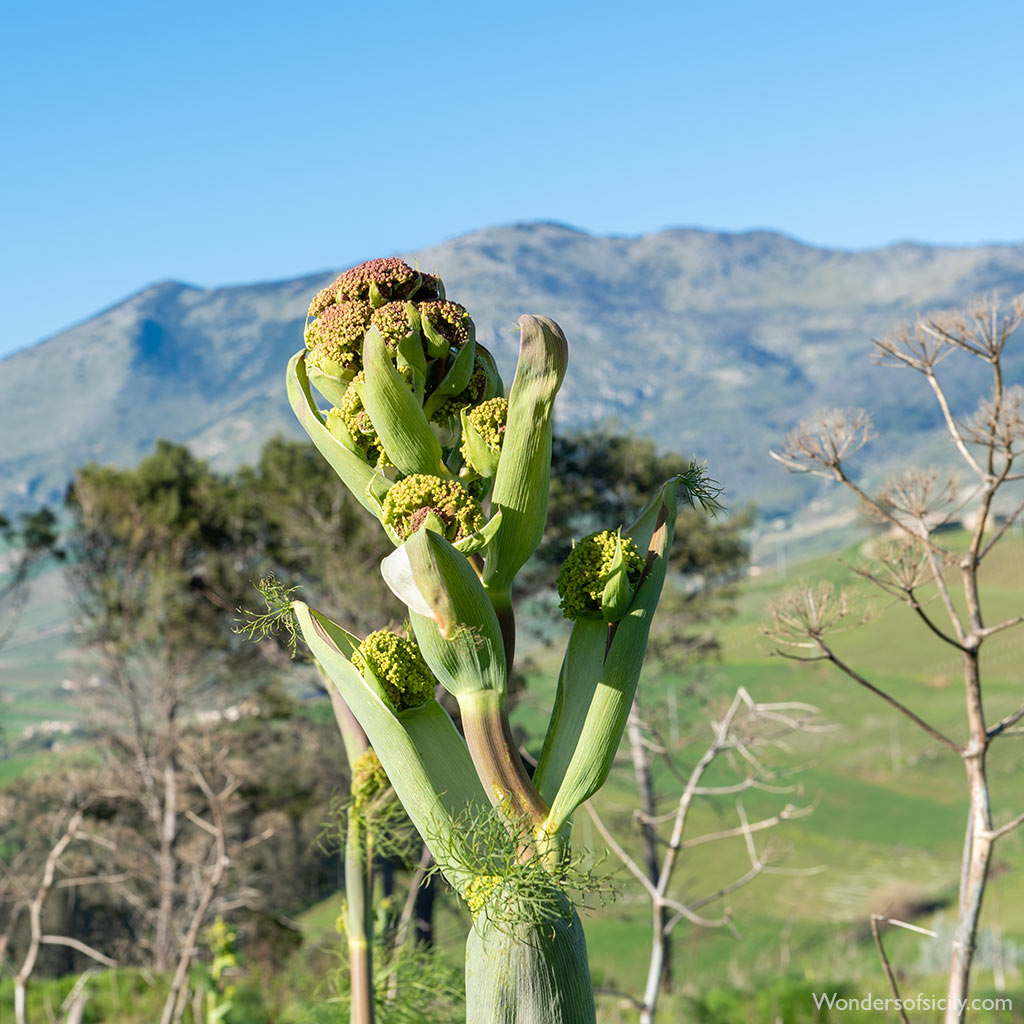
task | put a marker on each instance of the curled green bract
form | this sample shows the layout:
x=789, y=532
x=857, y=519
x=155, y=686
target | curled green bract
x=522, y=480
x=460, y=391
x=357, y=422
x=483, y=431
x=585, y=574
x=398, y=666
x=412, y=500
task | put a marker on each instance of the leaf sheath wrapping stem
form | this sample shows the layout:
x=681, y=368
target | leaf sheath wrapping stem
x=590, y=717
x=452, y=617
x=351, y=466
x=423, y=754
x=523, y=477
x=497, y=760
x=524, y=974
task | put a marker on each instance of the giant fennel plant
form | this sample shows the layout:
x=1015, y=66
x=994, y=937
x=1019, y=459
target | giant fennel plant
x=422, y=432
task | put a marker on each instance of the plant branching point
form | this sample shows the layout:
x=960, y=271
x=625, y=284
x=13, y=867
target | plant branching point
x=420, y=428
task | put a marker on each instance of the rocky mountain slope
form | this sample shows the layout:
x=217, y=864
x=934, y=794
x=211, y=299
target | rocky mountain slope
x=713, y=344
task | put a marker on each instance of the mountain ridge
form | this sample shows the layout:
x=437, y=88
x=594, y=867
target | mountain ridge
x=711, y=343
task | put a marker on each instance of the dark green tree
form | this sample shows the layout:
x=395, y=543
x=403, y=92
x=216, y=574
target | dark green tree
x=30, y=541
x=159, y=561
x=312, y=533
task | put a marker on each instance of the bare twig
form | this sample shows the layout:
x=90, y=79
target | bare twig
x=619, y=851
x=1007, y=828
x=1007, y=624
x=951, y=425
x=788, y=813
x=890, y=700
x=67, y=940
x=875, y=918
x=1004, y=724
x=1004, y=526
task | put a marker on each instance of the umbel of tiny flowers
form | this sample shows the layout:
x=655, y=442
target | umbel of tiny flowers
x=421, y=430
x=600, y=576
x=397, y=665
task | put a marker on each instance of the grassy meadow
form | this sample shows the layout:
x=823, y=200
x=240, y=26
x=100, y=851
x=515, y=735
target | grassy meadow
x=884, y=834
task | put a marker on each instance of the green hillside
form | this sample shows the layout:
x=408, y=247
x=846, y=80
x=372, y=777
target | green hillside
x=884, y=833
x=889, y=802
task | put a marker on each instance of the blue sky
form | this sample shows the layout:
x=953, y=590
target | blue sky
x=228, y=142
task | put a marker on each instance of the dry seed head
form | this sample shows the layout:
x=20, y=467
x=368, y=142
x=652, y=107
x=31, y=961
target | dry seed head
x=919, y=494
x=911, y=345
x=979, y=329
x=803, y=614
x=999, y=424
x=819, y=444
x=899, y=566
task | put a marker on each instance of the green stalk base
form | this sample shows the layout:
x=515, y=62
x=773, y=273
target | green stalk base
x=528, y=974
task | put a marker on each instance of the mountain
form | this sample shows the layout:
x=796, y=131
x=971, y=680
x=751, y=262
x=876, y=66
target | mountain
x=711, y=343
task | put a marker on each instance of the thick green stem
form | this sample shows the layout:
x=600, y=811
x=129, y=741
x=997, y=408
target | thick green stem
x=359, y=923
x=494, y=753
x=528, y=973
x=501, y=600
x=358, y=872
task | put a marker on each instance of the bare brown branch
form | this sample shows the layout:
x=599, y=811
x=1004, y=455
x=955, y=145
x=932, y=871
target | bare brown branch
x=875, y=918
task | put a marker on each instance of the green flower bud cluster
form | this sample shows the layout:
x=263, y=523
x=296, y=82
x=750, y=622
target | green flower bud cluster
x=489, y=419
x=389, y=295
x=369, y=779
x=585, y=573
x=410, y=501
x=447, y=320
x=387, y=314
x=395, y=321
x=378, y=294
x=335, y=337
x=479, y=889
x=399, y=667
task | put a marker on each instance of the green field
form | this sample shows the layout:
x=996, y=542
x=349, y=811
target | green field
x=885, y=832
x=889, y=802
